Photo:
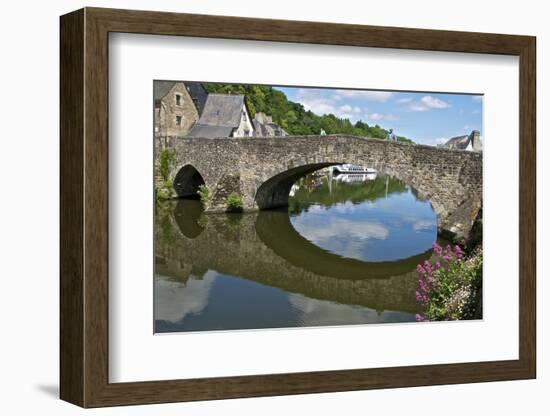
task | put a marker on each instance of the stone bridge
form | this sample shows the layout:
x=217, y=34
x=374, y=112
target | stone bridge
x=262, y=171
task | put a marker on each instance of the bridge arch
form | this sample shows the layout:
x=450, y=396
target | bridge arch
x=274, y=192
x=261, y=170
x=187, y=181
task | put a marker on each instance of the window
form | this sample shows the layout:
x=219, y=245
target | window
x=178, y=99
x=244, y=115
x=178, y=121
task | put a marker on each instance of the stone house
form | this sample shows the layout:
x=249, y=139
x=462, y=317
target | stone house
x=471, y=142
x=265, y=127
x=177, y=107
x=223, y=115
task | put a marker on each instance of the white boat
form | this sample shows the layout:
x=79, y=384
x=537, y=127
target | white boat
x=354, y=178
x=350, y=169
x=293, y=190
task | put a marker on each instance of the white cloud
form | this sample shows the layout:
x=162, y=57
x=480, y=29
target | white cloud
x=320, y=104
x=315, y=102
x=433, y=102
x=345, y=237
x=404, y=100
x=315, y=312
x=338, y=226
x=175, y=300
x=379, y=116
x=347, y=108
x=417, y=107
x=422, y=225
x=477, y=97
x=427, y=103
x=378, y=96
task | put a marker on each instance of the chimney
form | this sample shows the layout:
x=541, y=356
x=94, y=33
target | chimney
x=476, y=141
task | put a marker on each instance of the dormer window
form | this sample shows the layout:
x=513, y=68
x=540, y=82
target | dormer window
x=178, y=99
x=244, y=115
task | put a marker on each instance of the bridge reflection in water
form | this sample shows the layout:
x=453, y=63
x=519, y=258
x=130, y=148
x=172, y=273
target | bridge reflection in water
x=284, y=268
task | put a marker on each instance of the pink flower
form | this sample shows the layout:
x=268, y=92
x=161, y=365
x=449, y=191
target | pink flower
x=437, y=265
x=427, y=266
x=437, y=249
x=422, y=285
x=429, y=279
x=420, y=269
x=419, y=318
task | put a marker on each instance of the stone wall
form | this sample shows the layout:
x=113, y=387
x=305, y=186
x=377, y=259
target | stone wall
x=168, y=109
x=267, y=167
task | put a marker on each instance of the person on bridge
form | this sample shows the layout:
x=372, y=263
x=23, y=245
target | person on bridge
x=391, y=137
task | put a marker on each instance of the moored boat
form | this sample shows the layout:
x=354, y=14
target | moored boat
x=350, y=169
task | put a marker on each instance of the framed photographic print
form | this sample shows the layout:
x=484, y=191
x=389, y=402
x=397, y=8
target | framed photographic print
x=256, y=207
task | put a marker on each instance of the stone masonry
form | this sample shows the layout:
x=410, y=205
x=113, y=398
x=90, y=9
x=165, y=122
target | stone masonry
x=262, y=170
x=175, y=113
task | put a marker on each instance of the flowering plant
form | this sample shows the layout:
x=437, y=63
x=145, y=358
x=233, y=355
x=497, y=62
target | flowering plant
x=449, y=287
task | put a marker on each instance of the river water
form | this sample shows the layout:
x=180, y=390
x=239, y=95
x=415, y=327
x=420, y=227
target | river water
x=344, y=252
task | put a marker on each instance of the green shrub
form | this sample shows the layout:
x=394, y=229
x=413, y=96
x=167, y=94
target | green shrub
x=162, y=194
x=204, y=194
x=166, y=157
x=234, y=203
x=164, y=191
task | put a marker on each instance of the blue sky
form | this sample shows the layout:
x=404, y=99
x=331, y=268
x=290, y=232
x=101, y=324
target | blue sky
x=427, y=118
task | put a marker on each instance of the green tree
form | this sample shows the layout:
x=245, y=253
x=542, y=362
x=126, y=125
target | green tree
x=293, y=117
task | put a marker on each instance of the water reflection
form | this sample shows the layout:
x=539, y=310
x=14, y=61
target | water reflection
x=373, y=220
x=344, y=253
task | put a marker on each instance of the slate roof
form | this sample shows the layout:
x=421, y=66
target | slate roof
x=198, y=95
x=269, y=129
x=200, y=130
x=161, y=88
x=221, y=114
x=459, y=142
x=259, y=129
x=222, y=110
x=196, y=91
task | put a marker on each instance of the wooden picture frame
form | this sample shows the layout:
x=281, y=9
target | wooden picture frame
x=84, y=207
